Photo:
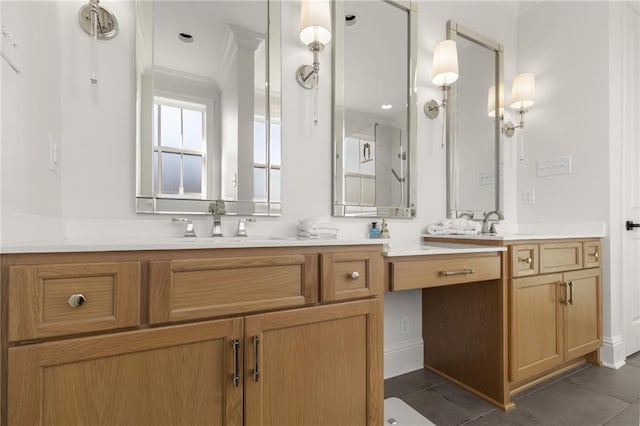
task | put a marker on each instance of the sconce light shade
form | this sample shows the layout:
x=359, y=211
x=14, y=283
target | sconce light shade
x=491, y=101
x=445, y=63
x=523, y=91
x=315, y=22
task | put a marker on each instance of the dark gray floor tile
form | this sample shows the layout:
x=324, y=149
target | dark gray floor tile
x=536, y=388
x=629, y=417
x=634, y=360
x=510, y=418
x=411, y=382
x=623, y=383
x=472, y=404
x=565, y=403
x=436, y=408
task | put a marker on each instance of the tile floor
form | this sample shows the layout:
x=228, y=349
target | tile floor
x=586, y=396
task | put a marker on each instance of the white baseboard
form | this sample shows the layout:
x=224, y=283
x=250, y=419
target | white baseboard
x=400, y=358
x=612, y=352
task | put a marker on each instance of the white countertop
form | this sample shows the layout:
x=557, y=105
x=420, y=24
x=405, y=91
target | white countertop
x=433, y=248
x=176, y=243
x=516, y=237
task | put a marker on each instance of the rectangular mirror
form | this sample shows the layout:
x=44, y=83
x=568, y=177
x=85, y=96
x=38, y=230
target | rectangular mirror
x=208, y=106
x=474, y=137
x=374, y=108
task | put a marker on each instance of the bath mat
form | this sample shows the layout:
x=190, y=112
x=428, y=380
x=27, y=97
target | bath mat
x=397, y=412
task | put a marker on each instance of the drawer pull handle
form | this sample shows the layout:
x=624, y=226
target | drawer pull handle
x=596, y=255
x=256, y=363
x=466, y=271
x=354, y=276
x=527, y=260
x=236, y=373
x=76, y=300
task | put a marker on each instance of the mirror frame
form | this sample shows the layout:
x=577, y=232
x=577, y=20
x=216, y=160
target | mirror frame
x=342, y=209
x=145, y=203
x=455, y=30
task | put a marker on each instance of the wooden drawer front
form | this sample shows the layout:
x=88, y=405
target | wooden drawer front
x=558, y=257
x=38, y=296
x=189, y=289
x=591, y=251
x=434, y=272
x=524, y=260
x=351, y=275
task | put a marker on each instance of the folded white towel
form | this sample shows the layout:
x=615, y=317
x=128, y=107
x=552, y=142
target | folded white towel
x=319, y=227
x=458, y=226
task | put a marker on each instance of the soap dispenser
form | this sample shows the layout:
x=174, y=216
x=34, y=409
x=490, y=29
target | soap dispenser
x=384, y=231
x=374, y=232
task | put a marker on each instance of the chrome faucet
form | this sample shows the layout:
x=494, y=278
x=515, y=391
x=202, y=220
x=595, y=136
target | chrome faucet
x=242, y=228
x=487, y=226
x=217, y=208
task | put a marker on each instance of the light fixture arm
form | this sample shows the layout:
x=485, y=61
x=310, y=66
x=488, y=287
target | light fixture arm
x=509, y=128
x=432, y=108
x=307, y=75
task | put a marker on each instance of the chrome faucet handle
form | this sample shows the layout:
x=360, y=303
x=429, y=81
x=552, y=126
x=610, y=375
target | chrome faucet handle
x=242, y=228
x=189, y=231
x=488, y=227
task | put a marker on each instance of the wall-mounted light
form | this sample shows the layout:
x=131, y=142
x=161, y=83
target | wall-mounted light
x=523, y=93
x=491, y=102
x=100, y=24
x=315, y=33
x=445, y=73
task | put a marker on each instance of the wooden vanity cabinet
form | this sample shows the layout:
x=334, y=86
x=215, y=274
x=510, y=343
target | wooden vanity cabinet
x=555, y=318
x=289, y=361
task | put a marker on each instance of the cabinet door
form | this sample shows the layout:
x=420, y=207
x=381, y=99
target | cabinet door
x=180, y=375
x=315, y=366
x=583, y=317
x=536, y=325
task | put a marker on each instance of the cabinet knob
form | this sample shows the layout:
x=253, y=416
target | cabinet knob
x=527, y=260
x=76, y=300
x=354, y=275
x=596, y=255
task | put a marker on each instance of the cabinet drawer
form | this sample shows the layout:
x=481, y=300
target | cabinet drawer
x=591, y=251
x=351, y=275
x=39, y=295
x=190, y=289
x=524, y=260
x=434, y=272
x=558, y=257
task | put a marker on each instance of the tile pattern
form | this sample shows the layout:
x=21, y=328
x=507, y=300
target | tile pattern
x=588, y=395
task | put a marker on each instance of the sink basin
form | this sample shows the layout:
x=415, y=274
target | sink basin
x=220, y=240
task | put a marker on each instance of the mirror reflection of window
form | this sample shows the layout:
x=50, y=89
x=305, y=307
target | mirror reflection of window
x=360, y=171
x=179, y=148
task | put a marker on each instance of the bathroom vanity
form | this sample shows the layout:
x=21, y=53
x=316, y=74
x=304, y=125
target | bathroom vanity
x=545, y=308
x=228, y=336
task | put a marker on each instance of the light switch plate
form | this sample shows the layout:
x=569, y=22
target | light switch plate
x=528, y=197
x=554, y=166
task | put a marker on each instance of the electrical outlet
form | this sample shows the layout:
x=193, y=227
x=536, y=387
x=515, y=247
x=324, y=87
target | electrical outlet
x=404, y=325
x=528, y=197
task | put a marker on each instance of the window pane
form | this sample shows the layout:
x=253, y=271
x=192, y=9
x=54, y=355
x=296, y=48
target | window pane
x=274, y=183
x=275, y=145
x=259, y=143
x=170, y=126
x=192, y=129
x=170, y=173
x=154, y=169
x=192, y=174
x=154, y=131
x=259, y=184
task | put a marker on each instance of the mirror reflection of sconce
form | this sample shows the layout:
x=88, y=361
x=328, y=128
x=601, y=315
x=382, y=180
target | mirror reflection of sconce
x=445, y=73
x=100, y=24
x=315, y=33
x=366, y=153
x=523, y=94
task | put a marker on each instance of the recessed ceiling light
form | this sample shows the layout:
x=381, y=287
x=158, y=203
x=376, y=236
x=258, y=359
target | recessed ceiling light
x=386, y=106
x=186, y=37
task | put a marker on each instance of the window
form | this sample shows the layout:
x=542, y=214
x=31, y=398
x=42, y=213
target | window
x=179, y=149
x=263, y=163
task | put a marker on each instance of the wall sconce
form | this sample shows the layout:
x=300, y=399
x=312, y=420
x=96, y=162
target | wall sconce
x=491, y=102
x=445, y=73
x=100, y=24
x=523, y=94
x=315, y=32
